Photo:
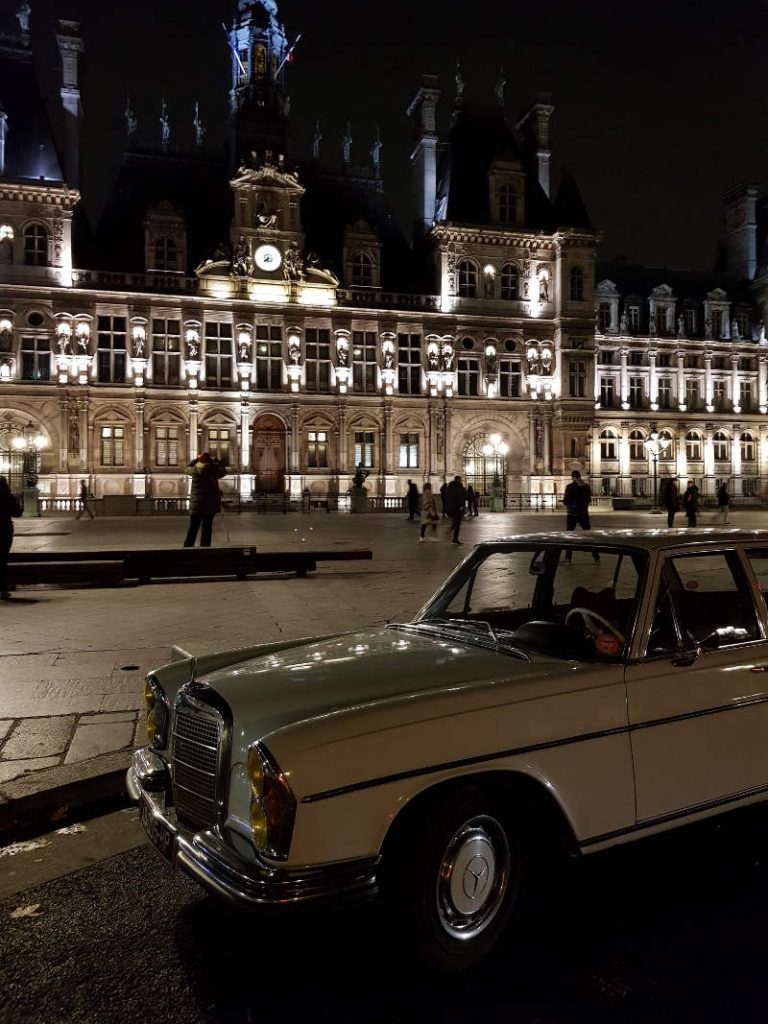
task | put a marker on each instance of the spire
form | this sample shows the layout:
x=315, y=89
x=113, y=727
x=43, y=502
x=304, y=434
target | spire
x=70, y=46
x=460, y=84
x=22, y=16
x=317, y=139
x=499, y=88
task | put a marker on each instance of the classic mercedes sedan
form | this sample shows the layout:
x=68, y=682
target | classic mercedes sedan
x=558, y=690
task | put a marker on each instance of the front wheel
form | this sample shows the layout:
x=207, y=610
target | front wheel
x=453, y=877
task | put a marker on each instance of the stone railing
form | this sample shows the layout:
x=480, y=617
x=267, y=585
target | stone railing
x=152, y=281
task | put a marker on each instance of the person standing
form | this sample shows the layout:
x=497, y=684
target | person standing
x=84, y=501
x=204, y=498
x=577, y=498
x=10, y=509
x=723, y=502
x=475, y=502
x=691, y=502
x=412, y=497
x=443, y=489
x=455, y=500
x=671, y=500
x=470, y=500
x=429, y=514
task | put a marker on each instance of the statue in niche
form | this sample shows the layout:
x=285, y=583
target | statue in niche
x=82, y=343
x=680, y=327
x=433, y=361
x=490, y=363
x=376, y=151
x=193, y=347
x=316, y=140
x=131, y=121
x=488, y=285
x=499, y=87
x=653, y=326
x=198, y=126
x=241, y=264
x=526, y=290
x=6, y=249
x=447, y=358
x=62, y=343
x=460, y=83
x=389, y=359
x=244, y=349
x=294, y=354
x=139, y=345
x=543, y=287
x=74, y=431
x=342, y=353
x=735, y=333
x=623, y=324
x=22, y=17
x=265, y=219
x=708, y=327
x=546, y=361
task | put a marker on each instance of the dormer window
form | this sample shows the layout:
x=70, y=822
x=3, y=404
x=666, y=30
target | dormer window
x=468, y=279
x=577, y=284
x=166, y=254
x=507, y=204
x=362, y=270
x=36, y=246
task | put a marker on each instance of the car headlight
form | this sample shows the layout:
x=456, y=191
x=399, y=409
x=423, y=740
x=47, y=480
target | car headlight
x=157, y=713
x=273, y=805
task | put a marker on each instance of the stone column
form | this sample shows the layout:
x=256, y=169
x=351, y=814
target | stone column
x=83, y=407
x=531, y=443
x=735, y=390
x=596, y=463
x=546, y=452
x=447, y=442
x=625, y=476
x=736, y=458
x=624, y=378
x=192, y=440
x=709, y=459
x=138, y=441
x=342, y=464
x=63, y=432
x=680, y=378
x=295, y=445
x=653, y=380
x=245, y=440
x=708, y=392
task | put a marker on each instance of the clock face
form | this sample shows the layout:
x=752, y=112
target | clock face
x=268, y=257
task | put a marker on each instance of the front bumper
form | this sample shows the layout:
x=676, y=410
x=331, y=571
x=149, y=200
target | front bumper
x=219, y=869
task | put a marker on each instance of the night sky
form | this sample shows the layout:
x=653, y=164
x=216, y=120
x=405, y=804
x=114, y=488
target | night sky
x=658, y=106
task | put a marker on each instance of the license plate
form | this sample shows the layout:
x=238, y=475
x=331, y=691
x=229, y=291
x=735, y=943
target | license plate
x=160, y=834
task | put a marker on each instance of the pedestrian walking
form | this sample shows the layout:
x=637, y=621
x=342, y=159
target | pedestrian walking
x=691, y=502
x=475, y=502
x=10, y=509
x=85, y=498
x=412, y=497
x=671, y=500
x=455, y=500
x=577, y=498
x=723, y=502
x=430, y=517
x=443, y=489
x=204, y=498
x=470, y=500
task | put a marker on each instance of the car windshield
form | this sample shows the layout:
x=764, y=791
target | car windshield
x=576, y=604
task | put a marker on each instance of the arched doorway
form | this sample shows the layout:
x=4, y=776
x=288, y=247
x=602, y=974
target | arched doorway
x=15, y=465
x=485, y=456
x=269, y=455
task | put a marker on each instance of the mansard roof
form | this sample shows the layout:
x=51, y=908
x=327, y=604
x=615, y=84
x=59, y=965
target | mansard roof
x=197, y=187
x=634, y=279
x=479, y=137
x=570, y=211
x=30, y=148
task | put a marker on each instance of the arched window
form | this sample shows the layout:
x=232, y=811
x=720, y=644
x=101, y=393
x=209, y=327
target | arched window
x=510, y=282
x=666, y=446
x=577, y=284
x=507, y=204
x=166, y=254
x=636, y=445
x=693, y=446
x=362, y=270
x=721, y=445
x=607, y=444
x=747, y=443
x=468, y=279
x=36, y=246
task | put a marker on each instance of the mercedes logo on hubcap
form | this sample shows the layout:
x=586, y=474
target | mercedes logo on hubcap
x=476, y=875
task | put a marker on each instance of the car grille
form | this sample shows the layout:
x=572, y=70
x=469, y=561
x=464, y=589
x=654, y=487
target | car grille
x=196, y=737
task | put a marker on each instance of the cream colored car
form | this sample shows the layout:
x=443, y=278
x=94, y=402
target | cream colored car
x=533, y=701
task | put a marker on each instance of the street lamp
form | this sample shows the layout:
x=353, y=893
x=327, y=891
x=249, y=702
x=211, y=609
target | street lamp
x=655, y=444
x=495, y=448
x=29, y=444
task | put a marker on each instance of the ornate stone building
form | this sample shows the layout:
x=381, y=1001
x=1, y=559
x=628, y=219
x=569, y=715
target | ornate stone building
x=269, y=310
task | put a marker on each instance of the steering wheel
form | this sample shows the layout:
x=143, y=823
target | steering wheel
x=590, y=619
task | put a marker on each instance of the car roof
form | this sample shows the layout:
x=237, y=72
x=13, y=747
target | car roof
x=646, y=539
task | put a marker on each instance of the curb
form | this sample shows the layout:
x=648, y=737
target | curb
x=40, y=809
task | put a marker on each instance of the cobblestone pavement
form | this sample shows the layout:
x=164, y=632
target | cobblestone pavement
x=72, y=660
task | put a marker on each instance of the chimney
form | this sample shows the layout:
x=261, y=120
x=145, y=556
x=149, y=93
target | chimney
x=741, y=230
x=70, y=48
x=423, y=114
x=534, y=128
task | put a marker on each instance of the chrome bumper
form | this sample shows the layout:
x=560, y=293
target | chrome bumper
x=219, y=869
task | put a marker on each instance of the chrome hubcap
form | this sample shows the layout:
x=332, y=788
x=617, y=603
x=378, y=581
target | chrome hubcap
x=473, y=877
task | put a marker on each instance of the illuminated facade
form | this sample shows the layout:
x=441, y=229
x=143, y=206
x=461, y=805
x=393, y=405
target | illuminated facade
x=274, y=316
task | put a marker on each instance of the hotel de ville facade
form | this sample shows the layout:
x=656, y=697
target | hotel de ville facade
x=268, y=309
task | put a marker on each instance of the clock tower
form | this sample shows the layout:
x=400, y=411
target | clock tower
x=258, y=104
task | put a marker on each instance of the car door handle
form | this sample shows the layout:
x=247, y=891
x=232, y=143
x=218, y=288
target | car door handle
x=687, y=659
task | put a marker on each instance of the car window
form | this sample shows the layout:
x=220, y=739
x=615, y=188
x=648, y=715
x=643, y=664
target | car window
x=704, y=599
x=500, y=584
x=758, y=559
x=615, y=571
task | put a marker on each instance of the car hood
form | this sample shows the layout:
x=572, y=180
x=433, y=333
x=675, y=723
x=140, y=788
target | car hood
x=356, y=671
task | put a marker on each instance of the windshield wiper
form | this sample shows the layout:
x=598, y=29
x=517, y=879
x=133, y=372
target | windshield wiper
x=459, y=626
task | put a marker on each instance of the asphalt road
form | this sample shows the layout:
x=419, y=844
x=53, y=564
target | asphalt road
x=669, y=930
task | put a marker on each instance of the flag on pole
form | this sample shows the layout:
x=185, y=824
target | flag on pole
x=288, y=58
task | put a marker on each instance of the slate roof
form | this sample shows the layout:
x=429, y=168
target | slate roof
x=30, y=149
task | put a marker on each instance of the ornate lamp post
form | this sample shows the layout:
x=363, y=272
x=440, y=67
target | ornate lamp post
x=654, y=446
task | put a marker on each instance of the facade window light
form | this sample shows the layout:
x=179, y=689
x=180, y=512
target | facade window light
x=5, y=326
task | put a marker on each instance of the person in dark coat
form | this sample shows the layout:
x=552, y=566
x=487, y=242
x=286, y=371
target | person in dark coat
x=723, y=502
x=84, y=501
x=577, y=498
x=412, y=498
x=455, y=500
x=443, y=489
x=204, y=498
x=671, y=500
x=470, y=500
x=691, y=502
x=10, y=509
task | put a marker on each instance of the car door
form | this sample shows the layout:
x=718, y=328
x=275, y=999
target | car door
x=698, y=698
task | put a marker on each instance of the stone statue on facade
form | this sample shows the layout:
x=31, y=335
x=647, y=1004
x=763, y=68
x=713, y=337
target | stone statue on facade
x=193, y=347
x=376, y=151
x=708, y=327
x=82, y=343
x=447, y=358
x=139, y=345
x=432, y=359
x=680, y=327
x=292, y=267
x=74, y=430
x=316, y=140
x=241, y=264
x=198, y=126
x=165, y=126
x=498, y=90
x=623, y=324
x=346, y=145
x=389, y=359
x=266, y=220
x=22, y=16
x=653, y=327
x=543, y=286
x=131, y=121
x=360, y=476
x=294, y=352
x=244, y=350
x=735, y=333
x=6, y=249
x=460, y=83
